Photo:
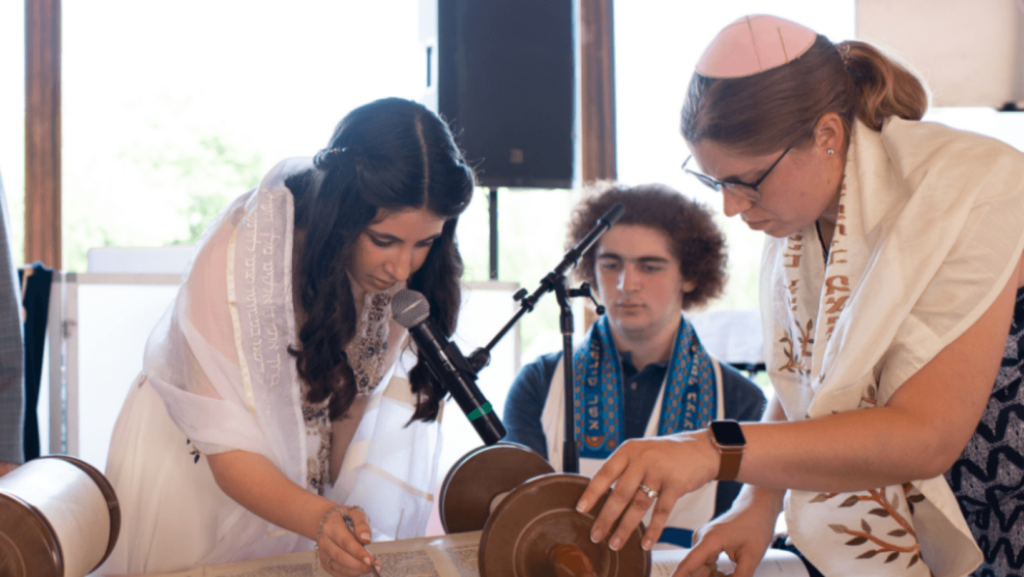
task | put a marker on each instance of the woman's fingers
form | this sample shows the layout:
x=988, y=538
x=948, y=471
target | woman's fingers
x=361, y=522
x=344, y=548
x=602, y=481
x=621, y=497
x=745, y=567
x=746, y=564
x=662, y=509
x=706, y=569
x=327, y=563
x=338, y=562
x=626, y=504
x=654, y=465
x=632, y=517
x=698, y=557
x=713, y=540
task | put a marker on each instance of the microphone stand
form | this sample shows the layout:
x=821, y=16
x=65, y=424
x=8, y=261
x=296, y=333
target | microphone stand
x=570, y=448
x=556, y=281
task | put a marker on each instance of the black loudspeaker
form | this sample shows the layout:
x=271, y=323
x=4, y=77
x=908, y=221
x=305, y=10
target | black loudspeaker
x=506, y=84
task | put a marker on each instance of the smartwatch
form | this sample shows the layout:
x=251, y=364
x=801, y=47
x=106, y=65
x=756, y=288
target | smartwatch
x=728, y=438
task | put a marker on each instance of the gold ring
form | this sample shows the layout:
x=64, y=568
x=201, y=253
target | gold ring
x=651, y=493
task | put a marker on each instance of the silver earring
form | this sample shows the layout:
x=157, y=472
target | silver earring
x=830, y=152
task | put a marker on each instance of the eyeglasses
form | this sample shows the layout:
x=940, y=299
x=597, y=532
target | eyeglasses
x=745, y=188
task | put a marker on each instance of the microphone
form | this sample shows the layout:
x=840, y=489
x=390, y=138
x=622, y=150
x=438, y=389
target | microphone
x=410, y=309
x=603, y=224
x=481, y=357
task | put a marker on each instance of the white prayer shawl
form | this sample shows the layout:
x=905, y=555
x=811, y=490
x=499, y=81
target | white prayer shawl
x=692, y=511
x=219, y=360
x=930, y=228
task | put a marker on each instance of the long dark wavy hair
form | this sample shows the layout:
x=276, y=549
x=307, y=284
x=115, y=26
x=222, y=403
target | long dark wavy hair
x=390, y=154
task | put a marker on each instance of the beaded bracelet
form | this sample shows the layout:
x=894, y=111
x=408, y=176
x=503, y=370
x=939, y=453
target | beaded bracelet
x=319, y=533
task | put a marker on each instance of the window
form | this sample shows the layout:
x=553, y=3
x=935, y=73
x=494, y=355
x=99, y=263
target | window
x=1006, y=126
x=12, y=119
x=172, y=110
x=532, y=227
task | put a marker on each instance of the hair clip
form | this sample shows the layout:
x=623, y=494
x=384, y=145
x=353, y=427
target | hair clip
x=844, y=52
x=325, y=158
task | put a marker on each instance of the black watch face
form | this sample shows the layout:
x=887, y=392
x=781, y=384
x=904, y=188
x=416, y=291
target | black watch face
x=728, y=433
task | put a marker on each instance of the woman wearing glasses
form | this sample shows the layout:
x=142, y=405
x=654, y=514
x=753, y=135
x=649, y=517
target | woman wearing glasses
x=891, y=301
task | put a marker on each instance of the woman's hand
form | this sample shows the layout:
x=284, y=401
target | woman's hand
x=258, y=485
x=340, y=552
x=672, y=466
x=743, y=532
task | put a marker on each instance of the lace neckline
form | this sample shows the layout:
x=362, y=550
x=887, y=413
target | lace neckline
x=369, y=346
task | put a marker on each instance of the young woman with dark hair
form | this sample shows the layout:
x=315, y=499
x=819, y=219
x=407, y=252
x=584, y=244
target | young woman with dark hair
x=892, y=313
x=273, y=403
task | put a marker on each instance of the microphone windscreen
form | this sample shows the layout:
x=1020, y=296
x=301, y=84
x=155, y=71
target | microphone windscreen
x=409, y=308
x=614, y=213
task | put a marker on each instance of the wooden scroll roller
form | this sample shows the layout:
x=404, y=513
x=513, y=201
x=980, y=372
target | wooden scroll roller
x=59, y=517
x=528, y=515
x=536, y=531
x=479, y=480
x=571, y=561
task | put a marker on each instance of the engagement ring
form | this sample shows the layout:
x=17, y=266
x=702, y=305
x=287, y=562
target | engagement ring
x=649, y=491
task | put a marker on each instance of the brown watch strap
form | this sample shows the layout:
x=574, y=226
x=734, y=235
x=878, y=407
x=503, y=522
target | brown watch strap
x=730, y=467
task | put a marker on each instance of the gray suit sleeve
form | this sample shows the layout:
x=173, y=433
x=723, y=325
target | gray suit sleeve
x=12, y=383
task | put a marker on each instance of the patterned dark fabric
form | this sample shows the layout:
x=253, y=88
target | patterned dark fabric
x=988, y=477
x=690, y=394
x=783, y=543
x=35, y=299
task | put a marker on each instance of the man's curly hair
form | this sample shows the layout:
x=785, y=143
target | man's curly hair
x=695, y=240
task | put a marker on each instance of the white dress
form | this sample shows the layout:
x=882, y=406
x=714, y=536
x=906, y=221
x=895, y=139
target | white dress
x=217, y=376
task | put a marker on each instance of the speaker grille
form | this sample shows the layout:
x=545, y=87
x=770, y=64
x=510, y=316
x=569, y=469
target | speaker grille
x=507, y=85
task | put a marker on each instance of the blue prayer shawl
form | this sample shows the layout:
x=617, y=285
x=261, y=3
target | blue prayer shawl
x=688, y=404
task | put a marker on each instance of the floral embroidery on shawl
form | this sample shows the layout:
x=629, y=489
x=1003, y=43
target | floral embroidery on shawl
x=367, y=349
x=798, y=350
x=318, y=426
x=798, y=342
x=195, y=452
x=366, y=354
x=888, y=507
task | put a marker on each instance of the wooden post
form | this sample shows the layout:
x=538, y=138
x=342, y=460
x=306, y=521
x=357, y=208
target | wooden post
x=597, y=91
x=42, y=133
